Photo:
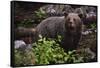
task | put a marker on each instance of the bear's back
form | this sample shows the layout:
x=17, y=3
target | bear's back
x=51, y=26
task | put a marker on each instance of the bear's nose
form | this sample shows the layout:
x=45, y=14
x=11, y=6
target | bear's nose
x=72, y=25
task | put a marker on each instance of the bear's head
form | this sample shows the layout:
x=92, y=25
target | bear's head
x=73, y=22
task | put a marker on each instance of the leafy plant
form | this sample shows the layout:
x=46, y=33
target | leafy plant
x=47, y=51
x=92, y=26
x=40, y=15
x=23, y=57
x=26, y=23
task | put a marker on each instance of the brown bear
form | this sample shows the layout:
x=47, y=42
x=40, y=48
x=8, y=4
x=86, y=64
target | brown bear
x=68, y=26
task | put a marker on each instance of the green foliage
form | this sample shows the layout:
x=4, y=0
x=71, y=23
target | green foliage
x=26, y=23
x=23, y=58
x=48, y=51
x=92, y=25
x=40, y=15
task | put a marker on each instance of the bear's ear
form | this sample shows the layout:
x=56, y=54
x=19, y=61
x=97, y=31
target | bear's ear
x=65, y=14
x=80, y=15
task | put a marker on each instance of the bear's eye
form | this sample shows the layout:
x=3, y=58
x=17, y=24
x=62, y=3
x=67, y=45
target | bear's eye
x=68, y=19
x=74, y=19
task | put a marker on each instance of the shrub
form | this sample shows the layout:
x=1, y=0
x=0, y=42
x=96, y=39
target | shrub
x=92, y=26
x=40, y=15
x=26, y=23
x=48, y=51
x=24, y=57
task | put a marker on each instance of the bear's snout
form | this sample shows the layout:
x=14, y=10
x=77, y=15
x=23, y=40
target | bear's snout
x=71, y=26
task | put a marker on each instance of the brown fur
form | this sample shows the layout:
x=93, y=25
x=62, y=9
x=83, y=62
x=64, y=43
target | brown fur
x=68, y=26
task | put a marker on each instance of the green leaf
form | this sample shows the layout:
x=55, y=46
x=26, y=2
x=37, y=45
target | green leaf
x=40, y=36
x=65, y=58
